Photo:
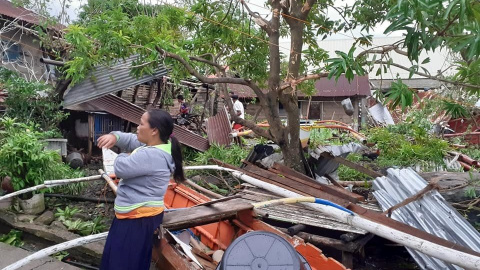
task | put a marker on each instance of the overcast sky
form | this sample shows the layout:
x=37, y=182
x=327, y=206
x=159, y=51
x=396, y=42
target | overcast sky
x=255, y=5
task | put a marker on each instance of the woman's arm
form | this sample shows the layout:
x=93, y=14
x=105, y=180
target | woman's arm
x=127, y=141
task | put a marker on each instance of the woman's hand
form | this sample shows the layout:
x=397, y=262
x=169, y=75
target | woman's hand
x=107, y=141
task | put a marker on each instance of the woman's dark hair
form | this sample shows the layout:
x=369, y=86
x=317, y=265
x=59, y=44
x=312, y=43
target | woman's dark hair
x=163, y=121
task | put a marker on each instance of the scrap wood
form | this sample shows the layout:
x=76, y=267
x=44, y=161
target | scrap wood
x=294, y=175
x=352, y=165
x=431, y=186
x=204, y=190
x=372, y=216
x=218, y=200
x=355, y=183
x=201, y=215
x=298, y=186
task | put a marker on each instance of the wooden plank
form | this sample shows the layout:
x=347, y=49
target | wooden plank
x=336, y=191
x=352, y=165
x=313, y=191
x=201, y=215
x=166, y=257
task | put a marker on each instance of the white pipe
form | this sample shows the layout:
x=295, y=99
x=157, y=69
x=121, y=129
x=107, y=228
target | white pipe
x=56, y=248
x=16, y=193
x=73, y=180
x=51, y=183
x=446, y=254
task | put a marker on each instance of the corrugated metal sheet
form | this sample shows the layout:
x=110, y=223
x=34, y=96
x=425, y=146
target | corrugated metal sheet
x=218, y=128
x=20, y=13
x=325, y=165
x=130, y=112
x=359, y=86
x=430, y=213
x=8, y=9
x=295, y=213
x=105, y=80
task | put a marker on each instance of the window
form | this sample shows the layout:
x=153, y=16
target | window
x=10, y=51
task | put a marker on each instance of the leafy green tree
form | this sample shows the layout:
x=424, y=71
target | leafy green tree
x=239, y=46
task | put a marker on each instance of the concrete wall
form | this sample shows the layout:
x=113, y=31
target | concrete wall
x=325, y=110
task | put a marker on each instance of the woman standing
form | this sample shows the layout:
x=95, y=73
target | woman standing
x=145, y=174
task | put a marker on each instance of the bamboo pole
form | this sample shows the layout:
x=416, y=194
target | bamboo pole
x=51, y=183
x=23, y=191
x=204, y=190
x=56, y=248
x=109, y=181
x=443, y=253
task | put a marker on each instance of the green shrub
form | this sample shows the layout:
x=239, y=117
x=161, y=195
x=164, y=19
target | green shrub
x=414, y=146
x=13, y=238
x=24, y=159
x=232, y=155
x=348, y=174
x=32, y=102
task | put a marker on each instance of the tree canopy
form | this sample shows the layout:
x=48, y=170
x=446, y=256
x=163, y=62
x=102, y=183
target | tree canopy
x=237, y=45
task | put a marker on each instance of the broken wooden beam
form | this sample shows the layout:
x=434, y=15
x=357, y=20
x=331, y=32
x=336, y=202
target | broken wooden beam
x=201, y=215
x=352, y=165
x=338, y=191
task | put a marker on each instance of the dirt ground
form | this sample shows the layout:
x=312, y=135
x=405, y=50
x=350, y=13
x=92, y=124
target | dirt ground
x=89, y=210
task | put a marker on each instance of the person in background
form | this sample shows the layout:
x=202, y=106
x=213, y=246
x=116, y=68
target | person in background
x=239, y=111
x=184, y=109
x=145, y=175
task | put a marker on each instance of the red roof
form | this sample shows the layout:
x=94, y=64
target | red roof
x=10, y=10
x=360, y=86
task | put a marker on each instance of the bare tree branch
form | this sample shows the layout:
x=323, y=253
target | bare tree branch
x=203, y=60
x=307, y=7
x=292, y=83
x=204, y=79
x=264, y=24
x=430, y=76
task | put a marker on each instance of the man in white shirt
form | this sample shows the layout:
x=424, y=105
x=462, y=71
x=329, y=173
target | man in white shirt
x=239, y=110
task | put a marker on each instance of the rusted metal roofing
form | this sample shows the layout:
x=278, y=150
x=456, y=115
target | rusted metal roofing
x=10, y=10
x=359, y=86
x=218, y=128
x=241, y=90
x=130, y=112
x=430, y=213
x=105, y=80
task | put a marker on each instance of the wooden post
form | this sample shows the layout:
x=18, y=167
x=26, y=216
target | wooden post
x=135, y=93
x=364, y=113
x=356, y=112
x=150, y=94
x=308, y=107
x=347, y=259
x=91, y=132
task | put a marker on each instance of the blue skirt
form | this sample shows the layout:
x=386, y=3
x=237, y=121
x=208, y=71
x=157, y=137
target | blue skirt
x=129, y=243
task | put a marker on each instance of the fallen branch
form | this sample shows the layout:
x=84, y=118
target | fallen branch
x=204, y=190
